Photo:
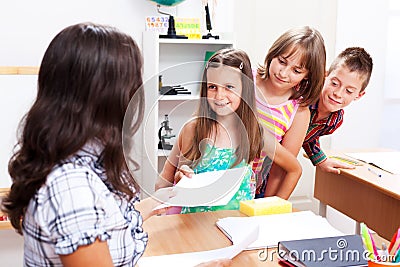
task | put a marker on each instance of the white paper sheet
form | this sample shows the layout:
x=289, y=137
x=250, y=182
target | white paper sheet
x=388, y=161
x=278, y=227
x=194, y=258
x=213, y=188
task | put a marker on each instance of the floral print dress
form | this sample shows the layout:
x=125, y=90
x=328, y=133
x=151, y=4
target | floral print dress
x=215, y=159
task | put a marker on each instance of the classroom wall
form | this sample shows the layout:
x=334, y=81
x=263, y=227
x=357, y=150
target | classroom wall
x=28, y=26
x=370, y=122
x=259, y=22
x=362, y=124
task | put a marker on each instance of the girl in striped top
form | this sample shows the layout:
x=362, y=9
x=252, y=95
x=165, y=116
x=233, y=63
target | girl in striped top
x=290, y=79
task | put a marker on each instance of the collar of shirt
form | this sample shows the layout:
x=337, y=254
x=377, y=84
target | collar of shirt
x=314, y=115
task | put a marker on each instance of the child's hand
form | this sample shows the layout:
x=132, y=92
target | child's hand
x=332, y=165
x=184, y=170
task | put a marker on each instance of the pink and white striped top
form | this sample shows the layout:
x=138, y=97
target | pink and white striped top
x=277, y=119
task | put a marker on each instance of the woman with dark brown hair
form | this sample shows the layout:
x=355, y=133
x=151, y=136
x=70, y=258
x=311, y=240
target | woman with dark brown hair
x=72, y=195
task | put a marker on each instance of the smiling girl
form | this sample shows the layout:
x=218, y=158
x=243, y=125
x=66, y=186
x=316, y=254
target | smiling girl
x=225, y=133
x=290, y=79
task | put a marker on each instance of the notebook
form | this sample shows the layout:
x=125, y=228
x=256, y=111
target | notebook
x=387, y=161
x=278, y=227
x=346, y=250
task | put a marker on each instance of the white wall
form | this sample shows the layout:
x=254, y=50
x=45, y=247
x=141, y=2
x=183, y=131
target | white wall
x=11, y=248
x=370, y=122
x=363, y=23
x=28, y=26
x=14, y=104
x=259, y=22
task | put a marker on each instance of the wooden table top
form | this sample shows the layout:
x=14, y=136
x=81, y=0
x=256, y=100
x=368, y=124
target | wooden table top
x=181, y=233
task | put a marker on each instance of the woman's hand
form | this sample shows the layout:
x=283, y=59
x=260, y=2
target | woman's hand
x=148, y=206
x=183, y=170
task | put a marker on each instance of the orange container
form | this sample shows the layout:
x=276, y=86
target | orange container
x=382, y=264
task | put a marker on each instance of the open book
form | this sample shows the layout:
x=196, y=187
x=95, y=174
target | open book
x=278, y=227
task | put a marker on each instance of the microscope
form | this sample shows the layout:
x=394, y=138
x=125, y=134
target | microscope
x=162, y=144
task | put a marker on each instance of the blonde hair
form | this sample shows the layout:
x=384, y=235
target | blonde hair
x=310, y=44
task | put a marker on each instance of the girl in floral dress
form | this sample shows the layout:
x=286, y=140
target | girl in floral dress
x=225, y=133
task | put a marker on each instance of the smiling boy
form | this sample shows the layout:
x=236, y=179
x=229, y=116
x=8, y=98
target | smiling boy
x=346, y=80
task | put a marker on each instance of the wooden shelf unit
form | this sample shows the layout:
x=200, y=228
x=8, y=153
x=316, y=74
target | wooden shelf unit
x=19, y=70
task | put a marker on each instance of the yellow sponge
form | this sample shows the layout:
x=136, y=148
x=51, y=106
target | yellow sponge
x=264, y=206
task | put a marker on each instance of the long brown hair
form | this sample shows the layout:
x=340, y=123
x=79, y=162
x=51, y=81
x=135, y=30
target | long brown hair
x=310, y=43
x=251, y=135
x=87, y=77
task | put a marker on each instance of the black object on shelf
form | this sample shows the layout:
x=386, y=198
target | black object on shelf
x=174, y=90
x=163, y=144
x=209, y=27
x=171, y=33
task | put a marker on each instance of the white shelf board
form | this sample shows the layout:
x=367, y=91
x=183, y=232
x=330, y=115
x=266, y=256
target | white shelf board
x=195, y=41
x=178, y=97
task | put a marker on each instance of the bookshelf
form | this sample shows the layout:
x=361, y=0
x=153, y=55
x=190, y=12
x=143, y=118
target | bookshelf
x=180, y=62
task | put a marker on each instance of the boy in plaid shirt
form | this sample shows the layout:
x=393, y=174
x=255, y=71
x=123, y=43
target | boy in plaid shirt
x=346, y=80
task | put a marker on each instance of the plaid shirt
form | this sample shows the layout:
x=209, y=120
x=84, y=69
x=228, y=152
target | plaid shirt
x=319, y=128
x=75, y=207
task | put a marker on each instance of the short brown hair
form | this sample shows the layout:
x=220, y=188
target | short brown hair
x=355, y=59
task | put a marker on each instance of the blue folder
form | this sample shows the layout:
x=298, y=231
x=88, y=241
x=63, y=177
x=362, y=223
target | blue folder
x=339, y=251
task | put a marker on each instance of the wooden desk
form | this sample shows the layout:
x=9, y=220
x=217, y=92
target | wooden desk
x=197, y=232
x=362, y=196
